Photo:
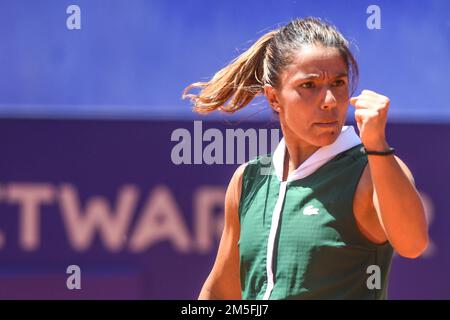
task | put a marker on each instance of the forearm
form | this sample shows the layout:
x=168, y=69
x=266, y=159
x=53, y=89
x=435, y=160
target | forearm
x=399, y=206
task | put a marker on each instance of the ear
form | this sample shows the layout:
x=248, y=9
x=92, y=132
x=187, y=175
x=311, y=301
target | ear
x=272, y=96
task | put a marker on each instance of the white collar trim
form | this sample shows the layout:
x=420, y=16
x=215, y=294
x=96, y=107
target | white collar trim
x=346, y=140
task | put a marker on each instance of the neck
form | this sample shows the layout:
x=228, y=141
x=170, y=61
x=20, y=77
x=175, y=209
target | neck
x=296, y=153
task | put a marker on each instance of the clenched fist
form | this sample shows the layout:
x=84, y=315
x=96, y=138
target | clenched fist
x=371, y=111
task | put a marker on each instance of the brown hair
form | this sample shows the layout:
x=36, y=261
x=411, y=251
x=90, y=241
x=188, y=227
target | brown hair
x=234, y=86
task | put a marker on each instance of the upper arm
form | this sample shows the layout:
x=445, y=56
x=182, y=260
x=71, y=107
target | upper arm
x=224, y=280
x=375, y=201
x=367, y=207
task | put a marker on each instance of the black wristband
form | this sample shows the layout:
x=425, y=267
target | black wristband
x=378, y=153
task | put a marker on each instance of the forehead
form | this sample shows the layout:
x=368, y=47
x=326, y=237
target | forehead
x=322, y=61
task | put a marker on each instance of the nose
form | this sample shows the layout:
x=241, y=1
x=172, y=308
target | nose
x=329, y=100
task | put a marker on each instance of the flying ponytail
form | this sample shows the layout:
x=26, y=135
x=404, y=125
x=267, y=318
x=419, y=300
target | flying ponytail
x=234, y=86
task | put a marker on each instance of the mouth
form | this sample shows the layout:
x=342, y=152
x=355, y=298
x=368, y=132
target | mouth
x=327, y=124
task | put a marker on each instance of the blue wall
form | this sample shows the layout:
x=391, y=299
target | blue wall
x=133, y=58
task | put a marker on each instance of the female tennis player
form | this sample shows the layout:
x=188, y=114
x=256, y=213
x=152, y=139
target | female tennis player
x=324, y=222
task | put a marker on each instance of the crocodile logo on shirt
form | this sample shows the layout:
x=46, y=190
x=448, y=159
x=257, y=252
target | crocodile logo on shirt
x=310, y=210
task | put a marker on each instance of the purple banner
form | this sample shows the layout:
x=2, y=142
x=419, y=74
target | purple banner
x=108, y=197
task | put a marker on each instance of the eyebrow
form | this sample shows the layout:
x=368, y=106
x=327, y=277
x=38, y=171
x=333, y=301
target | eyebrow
x=315, y=76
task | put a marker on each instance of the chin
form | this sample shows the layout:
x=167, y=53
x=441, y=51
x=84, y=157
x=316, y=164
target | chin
x=327, y=138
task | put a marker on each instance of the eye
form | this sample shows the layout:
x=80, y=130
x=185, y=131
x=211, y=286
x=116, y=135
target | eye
x=338, y=83
x=307, y=85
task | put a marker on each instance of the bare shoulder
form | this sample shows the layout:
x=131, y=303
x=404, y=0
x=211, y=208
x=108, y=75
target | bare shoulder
x=239, y=172
x=232, y=199
x=223, y=281
x=234, y=187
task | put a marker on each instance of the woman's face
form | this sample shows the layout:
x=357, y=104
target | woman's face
x=314, y=90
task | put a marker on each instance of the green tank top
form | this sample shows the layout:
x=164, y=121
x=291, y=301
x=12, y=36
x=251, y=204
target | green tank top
x=317, y=251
